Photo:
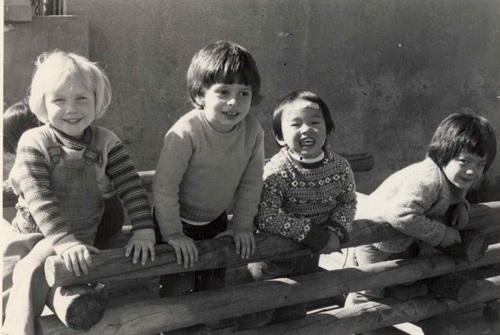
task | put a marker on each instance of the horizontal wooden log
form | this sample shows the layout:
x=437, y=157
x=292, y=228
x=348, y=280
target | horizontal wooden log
x=112, y=265
x=491, y=311
x=164, y=314
x=374, y=315
x=404, y=292
x=452, y=286
x=471, y=248
x=78, y=307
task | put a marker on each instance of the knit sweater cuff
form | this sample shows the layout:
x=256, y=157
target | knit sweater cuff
x=439, y=234
x=65, y=243
x=242, y=223
x=338, y=229
x=147, y=234
x=317, y=238
x=170, y=230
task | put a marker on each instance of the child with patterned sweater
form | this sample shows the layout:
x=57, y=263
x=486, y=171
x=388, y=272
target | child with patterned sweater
x=425, y=201
x=63, y=172
x=308, y=194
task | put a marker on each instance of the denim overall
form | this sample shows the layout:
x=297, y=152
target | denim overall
x=74, y=183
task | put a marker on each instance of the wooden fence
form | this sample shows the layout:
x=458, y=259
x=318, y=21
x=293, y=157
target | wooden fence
x=140, y=315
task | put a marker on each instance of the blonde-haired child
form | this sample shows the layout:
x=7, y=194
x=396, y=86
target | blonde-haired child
x=63, y=172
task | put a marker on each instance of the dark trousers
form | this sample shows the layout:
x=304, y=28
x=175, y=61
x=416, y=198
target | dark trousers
x=202, y=280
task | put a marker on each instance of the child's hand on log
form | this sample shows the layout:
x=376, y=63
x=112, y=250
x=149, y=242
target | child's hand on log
x=185, y=249
x=333, y=244
x=459, y=216
x=451, y=236
x=78, y=258
x=140, y=246
x=243, y=239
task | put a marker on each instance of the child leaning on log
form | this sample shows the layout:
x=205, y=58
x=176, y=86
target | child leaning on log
x=19, y=118
x=425, y=201
x=212, y=159
x=62, y=173
x=308, y=196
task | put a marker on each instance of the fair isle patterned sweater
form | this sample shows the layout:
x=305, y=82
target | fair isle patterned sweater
x=298, y=200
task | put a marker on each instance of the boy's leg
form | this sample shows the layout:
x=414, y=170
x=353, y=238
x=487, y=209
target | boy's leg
x=211, y=279
x=295, y=267
x=367, y=254
x=112, y=220
x=276, y=269
x=29, y=291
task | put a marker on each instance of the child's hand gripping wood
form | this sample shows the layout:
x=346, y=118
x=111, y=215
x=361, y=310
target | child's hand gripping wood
x=141, y=247
x=451, y=236
x=185, y=249
x=333, y=244
x=78, y=258
x=244, y=241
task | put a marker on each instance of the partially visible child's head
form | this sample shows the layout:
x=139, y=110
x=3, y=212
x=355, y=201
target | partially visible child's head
x=222, y=63
x=16, y=120
x=461, y=132
x=302, y=122
x=68, y=83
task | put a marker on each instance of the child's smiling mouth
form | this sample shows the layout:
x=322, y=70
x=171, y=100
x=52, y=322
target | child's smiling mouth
x=232, y=114
x=307, y=142
x=72, y=121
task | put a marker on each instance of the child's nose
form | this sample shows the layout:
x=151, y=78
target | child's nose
x=306, y=128
x=471, y=172
x=70, y=107
x=232, y=102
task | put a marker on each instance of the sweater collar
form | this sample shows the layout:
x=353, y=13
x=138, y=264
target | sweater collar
x=71, y=142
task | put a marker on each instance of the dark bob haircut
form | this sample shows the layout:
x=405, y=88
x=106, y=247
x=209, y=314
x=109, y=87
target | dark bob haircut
x=288, y=100
x=16, y=120
x=222, y=62
x=464, y=131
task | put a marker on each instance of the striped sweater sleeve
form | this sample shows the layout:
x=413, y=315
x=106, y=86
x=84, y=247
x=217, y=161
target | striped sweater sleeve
x=32, y=171
x=130, y=190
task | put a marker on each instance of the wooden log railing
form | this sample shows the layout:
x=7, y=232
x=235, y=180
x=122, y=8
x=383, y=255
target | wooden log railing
x=172, y=313
x=112, y=265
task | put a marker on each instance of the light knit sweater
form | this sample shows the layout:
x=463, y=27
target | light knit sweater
x=202, y=173
x=298, y=199
x=30, y=178
x=414, y=200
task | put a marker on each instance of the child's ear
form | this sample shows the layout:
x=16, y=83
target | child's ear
x=200, y=100
x=280, y=142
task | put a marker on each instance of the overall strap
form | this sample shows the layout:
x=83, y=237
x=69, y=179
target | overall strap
x=54, y=148
x=91, y=154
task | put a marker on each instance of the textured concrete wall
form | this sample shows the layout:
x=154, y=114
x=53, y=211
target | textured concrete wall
x=390, y=70
x=24, y=41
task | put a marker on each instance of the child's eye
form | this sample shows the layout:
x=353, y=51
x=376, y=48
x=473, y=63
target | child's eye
x=223, y=92
x=81, y=99
x=58, y=100
x=245, y=94
x=482, y=165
